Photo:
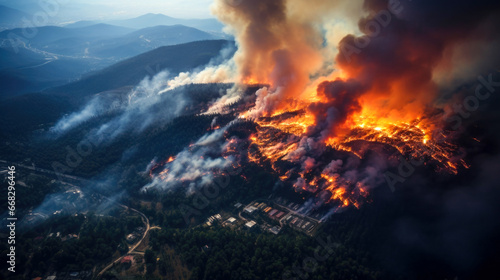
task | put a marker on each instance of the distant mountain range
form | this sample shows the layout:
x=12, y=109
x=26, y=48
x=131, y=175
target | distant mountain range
x=46, y=35
x=11, y=18
x=29, y=111
x=130, y=72
x=150, y=20
x=128, y=45
x=58, y=55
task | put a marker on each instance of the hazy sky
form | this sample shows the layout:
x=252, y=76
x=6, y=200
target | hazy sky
x=98, y=9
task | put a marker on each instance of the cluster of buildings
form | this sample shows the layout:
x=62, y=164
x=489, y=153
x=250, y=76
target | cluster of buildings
x=247, y=219
x=274, y=214
x=212, y=219
x=285, y=213
x=290, y=205
x=301, y=223
x=267, y=217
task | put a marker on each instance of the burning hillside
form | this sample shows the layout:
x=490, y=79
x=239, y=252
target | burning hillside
x=341, y=77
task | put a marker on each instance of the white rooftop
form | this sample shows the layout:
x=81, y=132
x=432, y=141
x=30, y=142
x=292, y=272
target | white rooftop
x=250, y=224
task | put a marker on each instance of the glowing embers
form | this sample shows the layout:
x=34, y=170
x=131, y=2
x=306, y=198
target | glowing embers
x=284, y=141
x=345, y=191
x=271, y=144
x=286, y=154
x=413, y=139
x=296, y=122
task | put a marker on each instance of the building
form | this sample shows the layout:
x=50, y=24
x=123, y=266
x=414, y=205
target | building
x=274, y=211
x=127, y=260
x=250, y=210
x=280, y=215
x=275, y=230
x=251, y=225
x=231, y=220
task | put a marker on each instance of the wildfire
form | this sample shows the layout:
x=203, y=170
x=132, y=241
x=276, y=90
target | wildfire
x=413, y=138
x=279, y=136
x=324, y=104
x=295, y=123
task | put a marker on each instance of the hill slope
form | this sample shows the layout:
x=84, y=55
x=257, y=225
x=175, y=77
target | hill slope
x=48, y=107
x=130, y=72
x=147, y=39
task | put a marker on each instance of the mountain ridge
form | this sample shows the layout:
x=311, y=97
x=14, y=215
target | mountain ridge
x=175, y=59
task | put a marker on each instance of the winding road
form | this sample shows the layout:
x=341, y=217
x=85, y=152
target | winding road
x=131, y=249
x=144, y=219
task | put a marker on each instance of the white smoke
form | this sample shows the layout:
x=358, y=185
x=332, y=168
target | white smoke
x=211, y=74
x=99, y=105
x=220, y=105
x=140, y=109
x=194, y=165
x=220, y=69
x=148, y=103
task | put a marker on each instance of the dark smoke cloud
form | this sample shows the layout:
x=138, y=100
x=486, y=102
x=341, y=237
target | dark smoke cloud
x=409, y=59
x=339, y=101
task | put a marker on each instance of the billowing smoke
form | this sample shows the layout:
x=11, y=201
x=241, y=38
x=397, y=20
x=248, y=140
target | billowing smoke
x=279, y=43
x=156, y=100
x=404, y=57
x=401, y=59
x=220, y=69
x=99, y=105
x=339, y=100
x=196, y=166
x=150, y=102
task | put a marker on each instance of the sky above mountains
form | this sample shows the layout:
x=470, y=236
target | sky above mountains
x=75, y=10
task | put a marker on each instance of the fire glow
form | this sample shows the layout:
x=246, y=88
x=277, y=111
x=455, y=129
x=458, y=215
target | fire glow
x=298, y=117
x=323, y=111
